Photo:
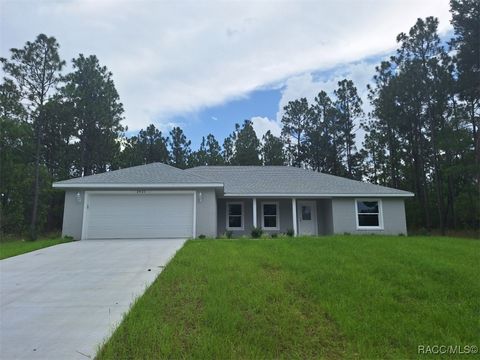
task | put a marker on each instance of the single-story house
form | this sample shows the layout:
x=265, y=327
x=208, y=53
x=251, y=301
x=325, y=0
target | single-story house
x=161, y=201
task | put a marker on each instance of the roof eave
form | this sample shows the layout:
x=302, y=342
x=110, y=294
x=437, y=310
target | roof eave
x=296, y=195
x=135, y=186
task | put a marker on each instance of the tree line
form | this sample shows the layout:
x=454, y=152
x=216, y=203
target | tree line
x=421, y=135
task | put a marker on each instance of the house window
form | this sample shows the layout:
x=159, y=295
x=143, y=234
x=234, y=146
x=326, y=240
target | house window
x=235, y=216
x=369, y=214
x=270, y=218
x=306, y=213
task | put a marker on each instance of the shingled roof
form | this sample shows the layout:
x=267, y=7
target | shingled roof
x=150, y=175
x=287, y=180
x=235, y=181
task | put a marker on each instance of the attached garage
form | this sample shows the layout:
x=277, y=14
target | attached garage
x=138, y=215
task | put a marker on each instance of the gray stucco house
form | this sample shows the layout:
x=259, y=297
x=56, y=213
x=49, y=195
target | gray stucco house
x=161, y=201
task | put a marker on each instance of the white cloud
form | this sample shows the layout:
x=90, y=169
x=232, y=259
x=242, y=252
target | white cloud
x=262, y=124
x=175, y=57
x=305, y=85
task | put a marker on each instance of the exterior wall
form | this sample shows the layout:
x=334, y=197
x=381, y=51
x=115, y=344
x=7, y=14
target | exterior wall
x=324, y=214
x=73, y=214
x=344, y=217
x=285, y=214
x=206, y=213
x=247, y=216
x=334, y=215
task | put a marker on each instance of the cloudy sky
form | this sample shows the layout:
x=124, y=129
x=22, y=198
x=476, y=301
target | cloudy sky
x=205, y=65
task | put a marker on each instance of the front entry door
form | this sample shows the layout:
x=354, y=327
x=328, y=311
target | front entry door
x=307, y=217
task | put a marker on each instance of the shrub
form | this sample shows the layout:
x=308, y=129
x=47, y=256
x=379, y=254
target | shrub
x=228, y=234
x=274, y=235
x=422, y=232
x=256, y=232
x=201, y=236
x=290, y=232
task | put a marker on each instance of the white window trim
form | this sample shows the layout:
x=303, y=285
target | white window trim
x=227, y=215
x=277, y=205
x=380, y=215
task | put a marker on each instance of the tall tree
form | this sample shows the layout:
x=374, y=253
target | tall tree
x=375, y=166
x=199, y=157
x=295, y=120
x=36, y=70
x=466, y=25
x=148, y=146
x=349, y=111
x=15, y=160
x=247, y=146
x=59, y=134
x=229, y=146
x=323, y=137
x=272, y=150
x=60, y=151
x=382, y=130
x=422, y=54
x=213, y=151
x=179, y=148
x=417, y=134
x=97, y=110
x=153, y=144
x=227, y=153
x=209, y=153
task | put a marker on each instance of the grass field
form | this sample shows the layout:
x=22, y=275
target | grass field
x=13, y=247
x=330, y=297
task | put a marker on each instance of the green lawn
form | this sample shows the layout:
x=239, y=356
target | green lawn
x=13, y=247
x=331, y=297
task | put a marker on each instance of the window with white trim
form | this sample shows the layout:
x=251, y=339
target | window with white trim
x=270, y=218
x=369, y=214
x=235, y=216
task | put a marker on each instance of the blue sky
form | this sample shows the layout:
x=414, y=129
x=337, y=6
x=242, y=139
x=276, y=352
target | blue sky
x=263, y=106
x=205, y=65
x=220, y=119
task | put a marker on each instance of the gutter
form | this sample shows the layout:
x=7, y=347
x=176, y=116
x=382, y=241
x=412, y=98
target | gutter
x=135, y=186
x=370, y=195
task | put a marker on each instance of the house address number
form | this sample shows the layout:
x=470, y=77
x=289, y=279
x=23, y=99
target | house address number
x=141, y=191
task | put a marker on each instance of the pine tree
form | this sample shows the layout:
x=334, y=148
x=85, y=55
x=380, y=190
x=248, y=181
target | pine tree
x=349, y=110
x=213, y=151
x=247, y=146
x=295, y=120
x=199, y=157
x=36, y=71
x=466, y=25
x=97, y=111
x=179, y=148
x=272, y=150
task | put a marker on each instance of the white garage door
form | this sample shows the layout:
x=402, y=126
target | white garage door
x=125, y=215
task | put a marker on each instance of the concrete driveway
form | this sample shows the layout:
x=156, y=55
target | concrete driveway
x=62, y=302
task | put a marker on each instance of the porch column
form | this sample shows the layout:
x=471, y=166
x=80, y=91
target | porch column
x=294, y=215
x=254, y=212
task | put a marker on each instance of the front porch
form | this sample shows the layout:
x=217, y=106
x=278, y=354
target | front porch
x=304, y=216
